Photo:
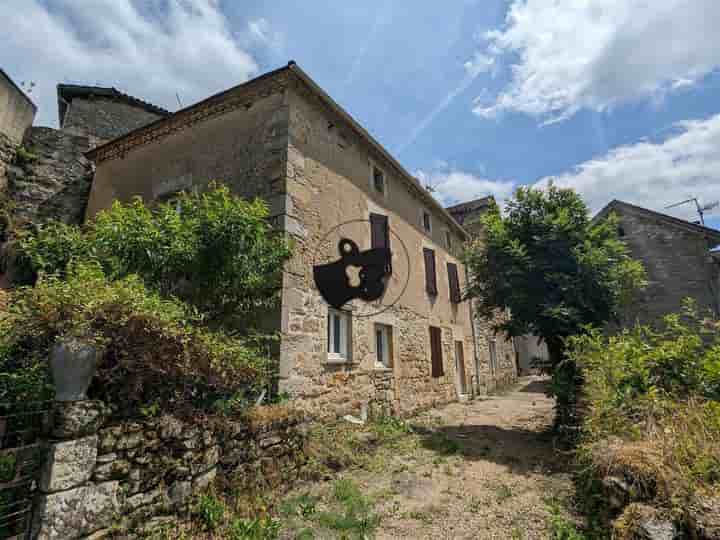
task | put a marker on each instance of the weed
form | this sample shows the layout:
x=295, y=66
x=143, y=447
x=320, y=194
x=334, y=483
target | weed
x=503, y=492
x=264, y=528
x=474, y=504
x=561, y=528
x=210, y=511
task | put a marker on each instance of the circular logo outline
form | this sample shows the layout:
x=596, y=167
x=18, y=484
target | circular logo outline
x=392, y=233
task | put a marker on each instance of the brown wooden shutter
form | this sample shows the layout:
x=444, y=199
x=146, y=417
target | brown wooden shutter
x=379, y=231
x=436, y=352
x=454, y=283
x=430, y=277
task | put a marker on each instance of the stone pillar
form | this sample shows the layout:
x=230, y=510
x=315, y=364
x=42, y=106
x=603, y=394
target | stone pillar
x=69, y=506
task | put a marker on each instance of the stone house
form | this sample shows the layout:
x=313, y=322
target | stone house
x=677, y=258
x=282, y=138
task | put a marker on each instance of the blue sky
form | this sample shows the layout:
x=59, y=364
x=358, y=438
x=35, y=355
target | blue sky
x=616, y=98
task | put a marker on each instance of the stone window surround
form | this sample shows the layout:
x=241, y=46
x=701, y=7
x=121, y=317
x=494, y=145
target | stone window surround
x=371, y=178
x=388, y=346
x=425, y=212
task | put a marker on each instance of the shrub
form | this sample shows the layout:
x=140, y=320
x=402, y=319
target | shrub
x=154, y=350
x=213, y=250
x=653, y=411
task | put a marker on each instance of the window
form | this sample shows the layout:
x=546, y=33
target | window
x=383, y=344
x=379, y=231
x=338, y=335
x=378, y=180
x=436, y=352
x=430, y=277
x=426, y=221
x=454, y=283
x=493, y=356
x=448, y=240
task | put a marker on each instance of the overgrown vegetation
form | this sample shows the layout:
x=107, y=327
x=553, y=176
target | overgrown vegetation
x=652, y=417
x=172, y=295
x=554, y=270
x=212, y=250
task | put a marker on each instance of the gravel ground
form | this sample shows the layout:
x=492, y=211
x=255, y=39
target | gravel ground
x=485, y=469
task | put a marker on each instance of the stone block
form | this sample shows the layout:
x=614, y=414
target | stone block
x=113, y=470
x=76, y=513
x=143, y=499
x=203, y=480
x=180, y=492
x=68, y=464
x=77, y=418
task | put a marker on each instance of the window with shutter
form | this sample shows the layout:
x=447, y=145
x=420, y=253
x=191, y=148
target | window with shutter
x=454, y=283
x=430, y=277
x=436, y=352
x=379, y=231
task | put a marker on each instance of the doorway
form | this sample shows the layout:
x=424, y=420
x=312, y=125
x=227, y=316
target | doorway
x=460, y=369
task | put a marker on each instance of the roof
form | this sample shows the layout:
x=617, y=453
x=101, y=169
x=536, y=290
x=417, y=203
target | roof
x=20, y=90
x=459, y=211
x=164, y=125
x=620, y=206
x=67, y=92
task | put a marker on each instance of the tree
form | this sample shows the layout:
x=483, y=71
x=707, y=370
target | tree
x=555, y=270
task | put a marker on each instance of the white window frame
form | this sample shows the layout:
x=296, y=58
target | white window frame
x=342, y=354
x=383, y=356
x=423, y=212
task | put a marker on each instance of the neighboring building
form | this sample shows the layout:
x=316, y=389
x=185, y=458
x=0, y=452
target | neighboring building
x=532, y=353
x=677, y=258
x=17, y=112
x=503, y=355
x=101, y=113
x=280, y=137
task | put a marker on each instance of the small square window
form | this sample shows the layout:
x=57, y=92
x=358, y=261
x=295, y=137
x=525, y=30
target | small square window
x=378, y=180
x=383, y=344
x=426, y=221
x=338, y=335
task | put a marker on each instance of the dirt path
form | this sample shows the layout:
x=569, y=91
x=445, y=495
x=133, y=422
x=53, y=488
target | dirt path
x=482, y=470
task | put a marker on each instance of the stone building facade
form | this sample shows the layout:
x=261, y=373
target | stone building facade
x=102, y=114
x=280, y=137
x=677, y=258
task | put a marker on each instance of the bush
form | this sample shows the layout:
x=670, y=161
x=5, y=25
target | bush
x=213, y=250
x=653, y=410
x=154, y=349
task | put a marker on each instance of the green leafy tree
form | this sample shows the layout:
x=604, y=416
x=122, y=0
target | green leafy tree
x=551, y=267
x=213, y=250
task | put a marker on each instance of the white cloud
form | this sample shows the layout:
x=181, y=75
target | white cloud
x=595, y=54
x=261, y=32
x=151, y=50
x=451, y=186
x=654, y=174
x=478, y=64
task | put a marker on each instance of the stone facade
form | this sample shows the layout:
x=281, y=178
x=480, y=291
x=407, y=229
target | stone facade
x=281, y=138
x=55, y=183
x=102, y=474
x=102, y=114
x=17, y=111
x=676, y=257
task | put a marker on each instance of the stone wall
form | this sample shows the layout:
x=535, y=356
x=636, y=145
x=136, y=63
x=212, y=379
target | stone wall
x=7, y=155
x=102, y=119
x=102, y=474
x=677, y=264
x=17, y=112
x=55, y=183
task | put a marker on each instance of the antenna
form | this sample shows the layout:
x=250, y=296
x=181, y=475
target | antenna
x=700, y=209
x=177, y=95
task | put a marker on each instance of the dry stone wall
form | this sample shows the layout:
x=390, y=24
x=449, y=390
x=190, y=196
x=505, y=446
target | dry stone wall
x=54, y=182
x=102, y=473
